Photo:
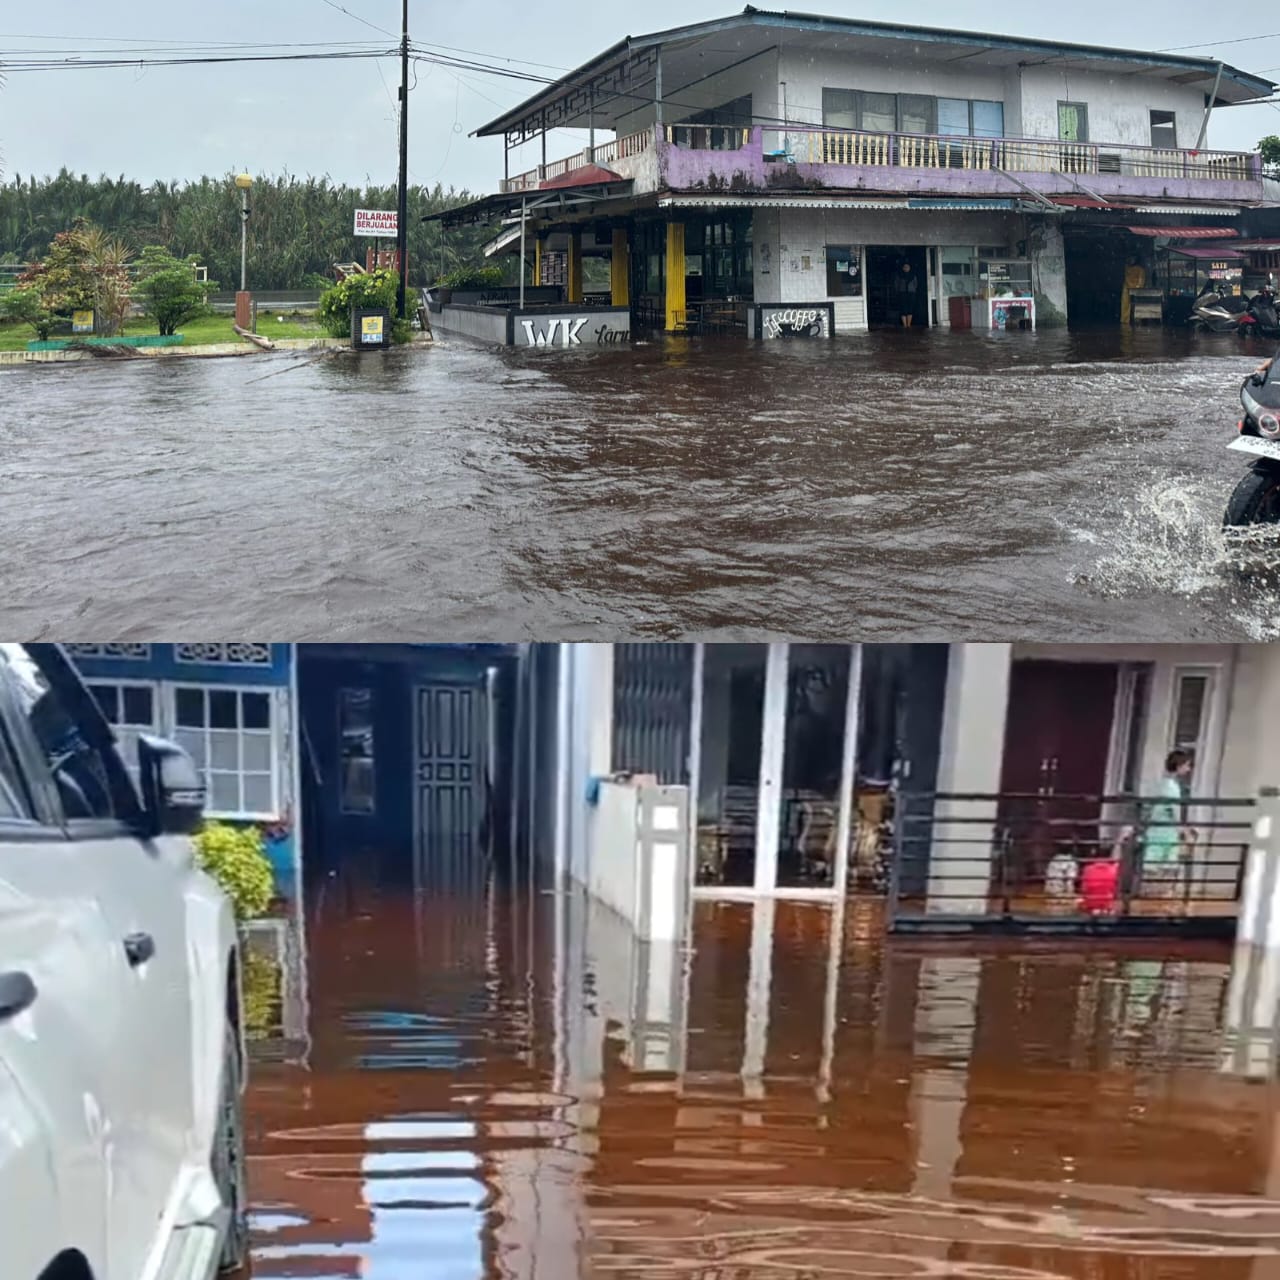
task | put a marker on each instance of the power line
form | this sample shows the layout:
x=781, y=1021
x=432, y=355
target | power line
x=333, y=4
x=97, y=64
x=1215, y=44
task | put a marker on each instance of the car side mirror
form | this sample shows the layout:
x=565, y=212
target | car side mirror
x=172, y=789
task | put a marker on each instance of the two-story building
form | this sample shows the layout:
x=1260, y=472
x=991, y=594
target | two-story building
x=794, y=174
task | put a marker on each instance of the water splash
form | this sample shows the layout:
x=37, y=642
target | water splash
x=1168, y=540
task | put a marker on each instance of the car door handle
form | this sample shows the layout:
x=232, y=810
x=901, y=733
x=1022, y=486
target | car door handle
x=17, y=994
x=139, y=948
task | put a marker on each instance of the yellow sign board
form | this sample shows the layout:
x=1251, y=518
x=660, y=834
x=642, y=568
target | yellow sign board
x=82, y=322
x=371, y=327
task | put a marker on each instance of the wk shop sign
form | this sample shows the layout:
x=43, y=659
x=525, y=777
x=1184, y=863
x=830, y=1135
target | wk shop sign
x=377, y=222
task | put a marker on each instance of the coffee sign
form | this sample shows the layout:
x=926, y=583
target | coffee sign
x=377, y=222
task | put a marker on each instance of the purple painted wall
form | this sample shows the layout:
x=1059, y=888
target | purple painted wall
x=681, y=169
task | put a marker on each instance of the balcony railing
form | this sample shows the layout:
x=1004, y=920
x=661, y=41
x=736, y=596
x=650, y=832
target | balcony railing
x=1013, y=155
x=606, y=153
x=707, y=137
x=813, y=145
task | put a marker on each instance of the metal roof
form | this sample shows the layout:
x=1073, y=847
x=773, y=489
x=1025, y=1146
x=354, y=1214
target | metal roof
x=624, y=72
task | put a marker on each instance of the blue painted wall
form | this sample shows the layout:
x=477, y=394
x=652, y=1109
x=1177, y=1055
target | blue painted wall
x=161, y=662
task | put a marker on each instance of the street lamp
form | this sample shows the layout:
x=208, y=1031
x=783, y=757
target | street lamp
x=244, y=182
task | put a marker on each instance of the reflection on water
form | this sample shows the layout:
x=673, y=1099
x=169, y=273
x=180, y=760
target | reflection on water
x=511, y=1086
x=963, y=486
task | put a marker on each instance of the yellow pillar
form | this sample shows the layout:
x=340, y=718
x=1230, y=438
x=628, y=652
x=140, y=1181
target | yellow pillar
x=620, y=269
x=575, y=267
x=676, y=302
x=537, y=260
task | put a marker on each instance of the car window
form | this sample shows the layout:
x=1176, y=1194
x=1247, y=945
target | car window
x=88, y=781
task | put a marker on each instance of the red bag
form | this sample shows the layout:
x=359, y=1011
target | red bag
x=1099, y=887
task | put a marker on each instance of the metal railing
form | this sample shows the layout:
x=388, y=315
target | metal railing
x=1023, y=859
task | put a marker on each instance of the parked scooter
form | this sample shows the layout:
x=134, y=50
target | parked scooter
x=1218, y=312
x=1262, y=317
x=1256, y=499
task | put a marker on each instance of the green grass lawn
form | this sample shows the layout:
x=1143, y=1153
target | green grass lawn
x=198, y=332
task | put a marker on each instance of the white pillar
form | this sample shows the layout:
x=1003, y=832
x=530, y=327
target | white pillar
x=972, y=756
x=1253, y=997
x=773, y=745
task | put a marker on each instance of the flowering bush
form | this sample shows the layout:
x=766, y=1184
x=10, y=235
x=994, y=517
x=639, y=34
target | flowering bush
x=236, y=858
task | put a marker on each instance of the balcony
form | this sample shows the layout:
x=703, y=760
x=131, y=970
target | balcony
x=729, y=158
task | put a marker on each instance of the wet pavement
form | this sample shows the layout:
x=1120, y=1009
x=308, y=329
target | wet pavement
x=509, y=1086
x=895, y=485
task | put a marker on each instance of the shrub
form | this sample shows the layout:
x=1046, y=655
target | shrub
x=236, y=858
x=26, y=305
x=473, y=278
x=168, y=289
x=373, y=290
x=260, y=991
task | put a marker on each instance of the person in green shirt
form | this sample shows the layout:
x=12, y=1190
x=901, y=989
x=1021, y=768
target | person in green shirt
x=1168, y=837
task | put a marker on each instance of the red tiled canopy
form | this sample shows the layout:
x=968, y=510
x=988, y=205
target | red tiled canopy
x=591, y=175
x=1187, y=233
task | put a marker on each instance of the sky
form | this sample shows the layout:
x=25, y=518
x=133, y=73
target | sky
x=338, y=118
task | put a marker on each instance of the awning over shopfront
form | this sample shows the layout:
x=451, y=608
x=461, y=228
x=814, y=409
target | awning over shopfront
x=1208, y=253
x=1186, y=233
x=835, y=202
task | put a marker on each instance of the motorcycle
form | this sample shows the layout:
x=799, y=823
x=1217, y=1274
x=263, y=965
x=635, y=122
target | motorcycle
x=1262, y=317
x=1218, y=312
x=1256, y=499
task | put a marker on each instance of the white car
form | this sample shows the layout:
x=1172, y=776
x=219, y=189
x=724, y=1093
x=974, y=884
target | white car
x=121, y=1054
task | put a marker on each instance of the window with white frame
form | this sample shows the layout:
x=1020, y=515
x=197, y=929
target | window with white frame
x=131, y=707
x=230, y=734
x=1189, y=718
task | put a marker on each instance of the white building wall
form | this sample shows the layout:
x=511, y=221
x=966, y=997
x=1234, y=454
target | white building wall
x=758, y=77
x=807, y=75
x=1119, y=106
x=790, y=245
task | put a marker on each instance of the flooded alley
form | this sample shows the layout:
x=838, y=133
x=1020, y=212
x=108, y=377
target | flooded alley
x=503, y=1083
x=1046, y=486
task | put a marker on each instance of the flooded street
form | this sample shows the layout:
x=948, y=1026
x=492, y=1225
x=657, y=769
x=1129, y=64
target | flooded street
x=508, y=1086
x=1054, y=487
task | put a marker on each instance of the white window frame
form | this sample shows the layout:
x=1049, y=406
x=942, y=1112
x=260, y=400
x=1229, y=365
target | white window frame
x=130, y=758
x=272, y=732
x=1204, y=744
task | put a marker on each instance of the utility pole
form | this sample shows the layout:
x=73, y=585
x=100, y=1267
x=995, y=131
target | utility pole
x=402, y=202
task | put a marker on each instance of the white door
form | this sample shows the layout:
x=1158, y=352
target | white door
x=98, y=853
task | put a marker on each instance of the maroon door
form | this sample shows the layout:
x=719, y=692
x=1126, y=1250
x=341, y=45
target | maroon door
x=1057, y=741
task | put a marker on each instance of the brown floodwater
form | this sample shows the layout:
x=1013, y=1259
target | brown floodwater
x=899, y=485
x=508, y=1086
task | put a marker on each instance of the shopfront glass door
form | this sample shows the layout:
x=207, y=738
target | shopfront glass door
x=774, y=767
